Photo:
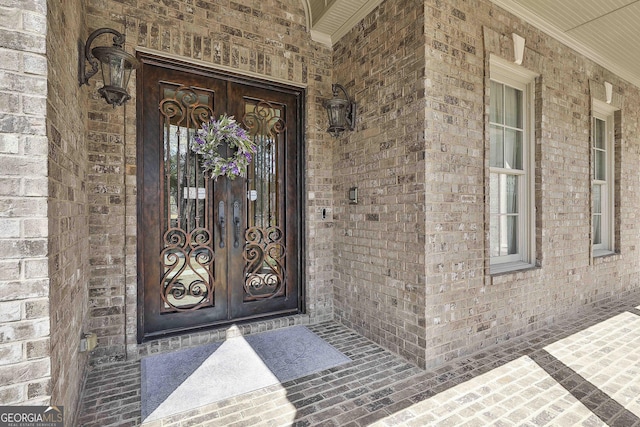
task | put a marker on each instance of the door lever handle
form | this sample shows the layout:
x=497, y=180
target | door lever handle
x=221, y=221
x=236, y=224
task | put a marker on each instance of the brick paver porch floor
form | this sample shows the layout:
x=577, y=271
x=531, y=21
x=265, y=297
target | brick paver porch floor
x=581, y=372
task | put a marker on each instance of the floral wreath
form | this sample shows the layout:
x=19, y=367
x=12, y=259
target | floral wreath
x=216, y=133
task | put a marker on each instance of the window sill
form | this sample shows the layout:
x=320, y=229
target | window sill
x=602, y=256
x=599, y=253
x=510, y=267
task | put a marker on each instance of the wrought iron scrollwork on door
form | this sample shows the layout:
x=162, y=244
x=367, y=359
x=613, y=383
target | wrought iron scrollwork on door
x=265, y=255
x=187, y=256
x=264, y=250
x=187, y=278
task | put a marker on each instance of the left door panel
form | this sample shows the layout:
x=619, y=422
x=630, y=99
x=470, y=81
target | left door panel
x=178, y=219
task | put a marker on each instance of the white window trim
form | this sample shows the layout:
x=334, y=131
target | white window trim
x=508, y=73
x=605, y=112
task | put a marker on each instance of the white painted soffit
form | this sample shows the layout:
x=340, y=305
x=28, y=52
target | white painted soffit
x=331, y=19
x=605, y=31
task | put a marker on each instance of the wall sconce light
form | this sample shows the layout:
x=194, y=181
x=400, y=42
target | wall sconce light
x=341, y=111
x=116, y=65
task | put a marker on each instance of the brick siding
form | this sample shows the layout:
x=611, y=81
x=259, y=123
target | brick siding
x=412, y=258
x=380, y=242
x=68, y=209
x=25, y=371
x=467, y=308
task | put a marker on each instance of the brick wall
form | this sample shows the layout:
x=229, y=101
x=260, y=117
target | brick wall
x=43, y=223
x=421, y=167
x=379, y=250
x=68, y=210
x=467, y=309
x=456, y=302
x=25, y=372
x=234, y=35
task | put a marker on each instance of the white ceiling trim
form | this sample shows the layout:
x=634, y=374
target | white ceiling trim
x=338, y=19
x=307, y=13
x=321, y=37
x=362, y=13
x=555, y=32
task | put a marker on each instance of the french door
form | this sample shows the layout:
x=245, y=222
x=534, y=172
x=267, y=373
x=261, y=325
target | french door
x=213, y=251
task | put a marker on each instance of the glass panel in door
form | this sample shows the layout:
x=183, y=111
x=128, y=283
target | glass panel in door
x=187, y=253
x=265, y=247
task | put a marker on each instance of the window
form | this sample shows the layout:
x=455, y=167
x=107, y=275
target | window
x=510, y=167
x=602, y=179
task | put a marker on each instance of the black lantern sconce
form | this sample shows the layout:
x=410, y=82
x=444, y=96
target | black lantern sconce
x=116, y=65
x=341, y=111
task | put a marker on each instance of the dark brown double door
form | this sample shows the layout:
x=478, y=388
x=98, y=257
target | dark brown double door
x=215, y=251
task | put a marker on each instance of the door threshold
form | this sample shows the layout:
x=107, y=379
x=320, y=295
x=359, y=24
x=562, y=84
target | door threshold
x=174, y=342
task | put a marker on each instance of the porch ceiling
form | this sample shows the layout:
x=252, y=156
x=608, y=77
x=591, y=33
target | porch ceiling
x=331, y=19
x=604, y=31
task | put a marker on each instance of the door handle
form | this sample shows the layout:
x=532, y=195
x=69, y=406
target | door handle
x=236, y=224
x=221, y=221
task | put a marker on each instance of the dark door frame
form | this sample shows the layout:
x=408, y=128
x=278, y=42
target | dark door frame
x=170, y=63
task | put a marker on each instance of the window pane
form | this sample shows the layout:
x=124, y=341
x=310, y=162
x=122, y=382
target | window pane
x=503, y=235
x=494, y=235
x=597, y=229
x=496, y=114
x=508, y=235
x=512, y=235
x=597, y=199
x=511, y=194
x=513, y=107
x=494, y=193
x=497, y=147
x=601, y=165
x=512, y=149
x=599, y=133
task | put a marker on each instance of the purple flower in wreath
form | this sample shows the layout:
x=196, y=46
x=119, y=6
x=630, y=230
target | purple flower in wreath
x=216, y=135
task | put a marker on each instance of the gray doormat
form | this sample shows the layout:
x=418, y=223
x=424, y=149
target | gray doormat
x=187, y=379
